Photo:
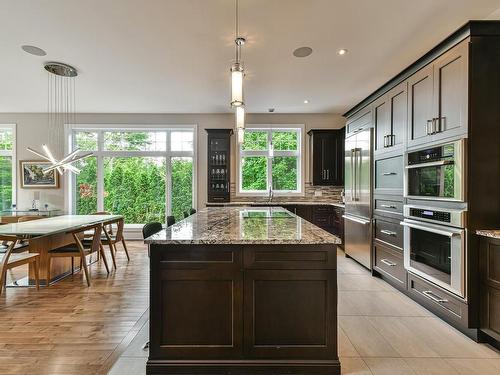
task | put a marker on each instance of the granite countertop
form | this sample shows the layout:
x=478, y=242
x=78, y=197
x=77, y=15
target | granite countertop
x=276, y=203
x=492, y=233
x=228, y=225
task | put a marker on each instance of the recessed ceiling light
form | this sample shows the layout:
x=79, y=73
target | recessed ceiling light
x=306, y=101
x=342, y=51
x=33, y=50
x=302, y=52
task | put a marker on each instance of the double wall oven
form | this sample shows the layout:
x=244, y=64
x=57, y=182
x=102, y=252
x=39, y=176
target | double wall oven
x=435, y=222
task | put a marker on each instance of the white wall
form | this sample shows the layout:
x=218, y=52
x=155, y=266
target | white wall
x=33, y=131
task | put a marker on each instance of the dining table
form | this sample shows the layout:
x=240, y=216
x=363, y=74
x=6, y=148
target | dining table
x=44, y=235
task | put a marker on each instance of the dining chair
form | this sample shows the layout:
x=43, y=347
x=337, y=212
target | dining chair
x=79, y=249
x=170, y=220
x=111, y=239
x=192, y=211
x=186, y=214
x=151, y=228
x=10, y=259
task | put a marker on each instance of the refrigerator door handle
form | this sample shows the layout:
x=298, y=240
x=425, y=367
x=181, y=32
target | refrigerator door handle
x=353, y=175
x=359, y=160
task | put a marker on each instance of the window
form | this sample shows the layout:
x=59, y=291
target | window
x=141, y=174
x=270, y=158
x=7, y=166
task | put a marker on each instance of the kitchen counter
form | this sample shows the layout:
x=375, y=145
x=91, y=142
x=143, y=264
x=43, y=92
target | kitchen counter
x=276, y=203
x=243, y=290
x=227, y=225
x=492, y=233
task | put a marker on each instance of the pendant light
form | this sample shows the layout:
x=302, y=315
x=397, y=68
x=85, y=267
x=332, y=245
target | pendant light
x=237, y=76
x=61, y=108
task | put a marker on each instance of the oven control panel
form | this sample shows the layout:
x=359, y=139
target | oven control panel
x=441, y=216
x=432, y=154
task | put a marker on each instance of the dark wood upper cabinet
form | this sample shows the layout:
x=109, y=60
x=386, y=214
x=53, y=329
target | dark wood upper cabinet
x=438, y=96
x=327, y=156
x=390, y=116
x=219, y=165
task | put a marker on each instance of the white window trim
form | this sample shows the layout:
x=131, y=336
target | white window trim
x=69, y=178
x=300, y=167
x=13, y=154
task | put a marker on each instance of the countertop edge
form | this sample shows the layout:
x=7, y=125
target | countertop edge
x=490, y=233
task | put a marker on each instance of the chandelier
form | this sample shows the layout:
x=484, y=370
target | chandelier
x=237, y=75
x=61, y=107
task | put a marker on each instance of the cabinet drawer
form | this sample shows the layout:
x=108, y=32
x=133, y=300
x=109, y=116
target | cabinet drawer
x=323, y=209
x=390, y=263
x=389, y=174
x=441, y=303
x=384, y=206
x=284, y=257
x=389, y=232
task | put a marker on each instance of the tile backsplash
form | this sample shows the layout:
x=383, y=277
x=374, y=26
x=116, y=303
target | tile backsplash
x=328, y=194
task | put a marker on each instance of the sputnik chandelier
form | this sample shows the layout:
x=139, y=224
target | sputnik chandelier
x=61, y=109
x=237, y=75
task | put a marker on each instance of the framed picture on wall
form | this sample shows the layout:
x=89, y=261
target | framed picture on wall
x=32, y=175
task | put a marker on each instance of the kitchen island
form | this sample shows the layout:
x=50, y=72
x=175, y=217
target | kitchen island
x=238, y=290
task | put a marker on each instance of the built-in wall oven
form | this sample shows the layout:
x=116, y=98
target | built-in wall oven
x=435, y=246
x=436, y=173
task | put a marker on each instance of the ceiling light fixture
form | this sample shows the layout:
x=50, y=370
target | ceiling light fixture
x=342, y=51
x=302, y=52
x=306, y=101
x=61, y=110
x=32, y=50
x=237, y=75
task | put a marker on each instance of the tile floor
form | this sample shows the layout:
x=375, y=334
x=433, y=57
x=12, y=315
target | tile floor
x=381, y=332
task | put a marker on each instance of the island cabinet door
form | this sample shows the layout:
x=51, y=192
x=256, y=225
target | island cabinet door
x=290, y=314
x=196, y=314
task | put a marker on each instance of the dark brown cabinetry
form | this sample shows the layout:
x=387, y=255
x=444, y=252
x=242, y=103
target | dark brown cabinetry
x=390, y=115
x=243, y=309
x=327, y=156
x=219, y=165
x=489, y=269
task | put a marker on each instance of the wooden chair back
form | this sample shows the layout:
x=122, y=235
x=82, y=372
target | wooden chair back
x=120, y=223
x=96, y=238
x=12, y=242
x=109, y=227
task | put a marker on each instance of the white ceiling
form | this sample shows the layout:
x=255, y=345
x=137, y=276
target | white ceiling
x=173, y=56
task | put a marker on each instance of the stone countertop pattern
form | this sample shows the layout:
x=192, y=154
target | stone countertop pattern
x=492, y=233
x=226, y=225
x=276, y=203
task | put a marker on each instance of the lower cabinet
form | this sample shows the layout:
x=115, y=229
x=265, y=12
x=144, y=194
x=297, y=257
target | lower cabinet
x=489, y=260
x=290, y=314
x=388, y=261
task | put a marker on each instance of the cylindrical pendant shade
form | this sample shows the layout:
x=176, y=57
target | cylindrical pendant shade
x=240, y=117
x=241, y=135
x=237, y=85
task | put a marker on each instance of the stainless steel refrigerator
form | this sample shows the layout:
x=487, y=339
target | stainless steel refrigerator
x=358, y=196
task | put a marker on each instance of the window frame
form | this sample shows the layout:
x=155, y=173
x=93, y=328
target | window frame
x=299, y=153
x=13, y=154
x=101, y=154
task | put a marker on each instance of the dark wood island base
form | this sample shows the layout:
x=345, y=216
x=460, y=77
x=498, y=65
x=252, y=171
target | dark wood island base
x=244, y=308
x=256, y=309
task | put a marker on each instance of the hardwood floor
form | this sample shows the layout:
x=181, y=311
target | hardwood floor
x=71, y=329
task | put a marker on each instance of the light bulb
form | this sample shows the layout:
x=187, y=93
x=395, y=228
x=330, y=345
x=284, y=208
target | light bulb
x=237, y=85
x=241, y=136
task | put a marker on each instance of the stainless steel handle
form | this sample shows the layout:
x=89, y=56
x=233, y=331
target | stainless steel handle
x=434, y=297
x=356, y=220
x=358, y=173
x=388, y=232
x=388, y=206
x=431, y=228
x=388, y=263
x=389, y=174
x=430, y=164
x=392, y=138
x=385, y=141
x=428, y=127
x=327, y=174
x=440, y=124
x=353, y=177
